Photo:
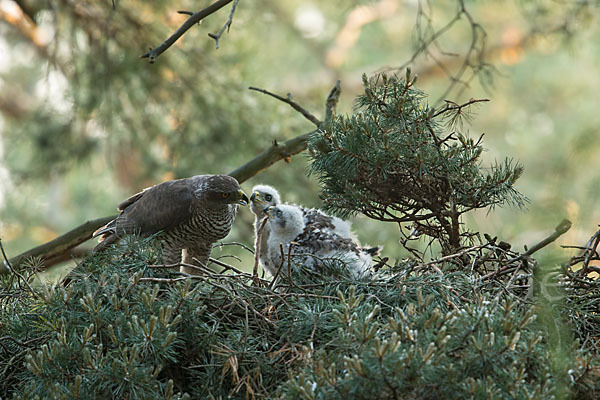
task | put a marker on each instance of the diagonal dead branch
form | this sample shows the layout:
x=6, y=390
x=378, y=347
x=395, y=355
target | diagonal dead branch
x=196, y=17
x=62, y=243
x=560, y=230
x=226, y=26
x=275, y=153
x=292, y=103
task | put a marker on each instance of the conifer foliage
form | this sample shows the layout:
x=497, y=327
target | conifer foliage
x=124, y=326
x=397, y=159
x=121, y=328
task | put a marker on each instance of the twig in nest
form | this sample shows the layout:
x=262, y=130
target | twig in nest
x=273, y=282
x=562, y=228
x=383, y=261
x=259, y=235
x=164, y=265
x=592, y=246
x=292, y=103
x=225, y=265
x=289, y=263
x=449, y=257
x=199, y=267
x=227, y=25
x=229, y=256
x=167, y=280
x=15, y=272
x=242, y=245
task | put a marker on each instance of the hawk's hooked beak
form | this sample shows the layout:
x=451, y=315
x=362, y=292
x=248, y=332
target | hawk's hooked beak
x=243, y=198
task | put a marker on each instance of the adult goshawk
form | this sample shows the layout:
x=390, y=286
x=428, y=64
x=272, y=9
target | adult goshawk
x=191, y=214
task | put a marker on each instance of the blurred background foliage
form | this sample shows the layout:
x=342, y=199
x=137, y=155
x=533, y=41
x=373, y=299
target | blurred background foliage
x=85, y=122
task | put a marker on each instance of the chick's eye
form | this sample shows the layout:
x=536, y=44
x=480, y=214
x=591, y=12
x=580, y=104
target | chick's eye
x=224, y=195
x=269, y=197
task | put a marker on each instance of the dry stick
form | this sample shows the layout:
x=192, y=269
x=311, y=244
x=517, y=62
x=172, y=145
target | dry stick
x=197, y=267
x=259, y=234
x=62, y=243
x=292, y=103
x=164, y=265
x=561, y=229
x=166, y=280
x=272, y=285
x=592, y=250
x=275, y=153
x=274, y=280
x=225, y=265
x=15, y=272
x=451, y=256
x=242, y=245
x=289, y=263
x=191, y=21
x=227, y=25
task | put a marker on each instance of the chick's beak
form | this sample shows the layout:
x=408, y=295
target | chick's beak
x=268, y=210
x=243, y=198
x=255, y=198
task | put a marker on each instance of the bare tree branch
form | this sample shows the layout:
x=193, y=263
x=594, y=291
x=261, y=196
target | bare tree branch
x=331, y=102
x=191, y=21
x=560, y=230
x=290, y=147
x=61, y=244
x=277, y=151
x=292, y=103
x=218, y=35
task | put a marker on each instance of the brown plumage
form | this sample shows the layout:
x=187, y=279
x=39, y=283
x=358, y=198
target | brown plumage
x=191, y=214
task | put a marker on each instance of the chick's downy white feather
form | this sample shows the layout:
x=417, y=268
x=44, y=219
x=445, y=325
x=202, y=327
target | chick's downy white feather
x=309, y=245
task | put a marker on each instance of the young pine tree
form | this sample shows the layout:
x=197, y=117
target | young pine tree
x=399, y=160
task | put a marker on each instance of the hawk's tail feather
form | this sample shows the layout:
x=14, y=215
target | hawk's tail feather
x=106, y=230
x=106, y=240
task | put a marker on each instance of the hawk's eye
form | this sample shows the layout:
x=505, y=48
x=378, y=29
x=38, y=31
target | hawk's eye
x=269, y=197
x=224, y=195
